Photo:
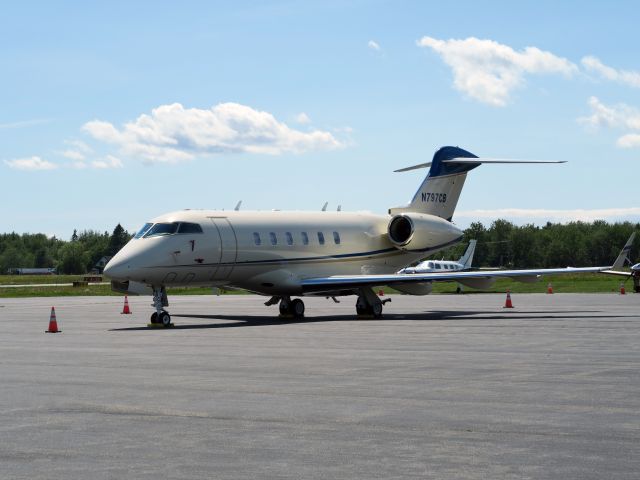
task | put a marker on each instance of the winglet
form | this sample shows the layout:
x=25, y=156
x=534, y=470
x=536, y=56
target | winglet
x=624, y=254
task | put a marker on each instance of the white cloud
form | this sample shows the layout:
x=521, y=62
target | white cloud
x=24, y=123
x=619, y=116
x=521, y=215
x=488, y=71
x=626, y=77
x=629, y=140
x=73, y=155
x=79, y=145
x=31, y=163
x=173, y=133
x=303, y=118
x=108, y=162
x=373, y=45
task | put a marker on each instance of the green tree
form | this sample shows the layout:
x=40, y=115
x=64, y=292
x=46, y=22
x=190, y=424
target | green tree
x=118, y=239
x=73, y=259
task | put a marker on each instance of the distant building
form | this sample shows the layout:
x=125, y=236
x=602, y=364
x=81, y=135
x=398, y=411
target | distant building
x=100, y=264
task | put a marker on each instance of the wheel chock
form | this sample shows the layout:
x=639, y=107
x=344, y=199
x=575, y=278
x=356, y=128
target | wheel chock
x=159, y=325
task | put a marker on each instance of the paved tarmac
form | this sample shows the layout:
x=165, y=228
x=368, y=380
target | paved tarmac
x=445, y=386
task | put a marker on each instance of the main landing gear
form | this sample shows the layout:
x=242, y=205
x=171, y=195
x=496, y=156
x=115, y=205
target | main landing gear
x=369, y=304
x=160, y=317
x=288, y=308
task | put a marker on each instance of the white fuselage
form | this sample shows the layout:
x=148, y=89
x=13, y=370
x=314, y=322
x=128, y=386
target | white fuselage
x=270, y=252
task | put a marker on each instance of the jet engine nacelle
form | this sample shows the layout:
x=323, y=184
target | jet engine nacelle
x=131, y=288
x=411, y=288
x=482, y=283
x=418, y=231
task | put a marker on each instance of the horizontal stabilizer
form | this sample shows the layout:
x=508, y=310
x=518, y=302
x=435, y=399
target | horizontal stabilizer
x=478, y=161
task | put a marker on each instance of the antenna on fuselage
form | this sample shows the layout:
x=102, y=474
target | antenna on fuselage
x=238, y=206
x=324, y=207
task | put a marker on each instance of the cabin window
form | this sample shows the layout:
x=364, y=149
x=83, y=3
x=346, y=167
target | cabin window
x=336, y=238
x=162, y=229
x=305, y=238
x=438, y=266
x=143, y=230
x=430, y=265
x=321, y=238
x=186, y=227
x=256, y=238
x=273, y=238
x=289, y=238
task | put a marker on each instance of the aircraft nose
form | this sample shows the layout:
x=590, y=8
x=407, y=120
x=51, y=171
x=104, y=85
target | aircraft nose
x=116, y=268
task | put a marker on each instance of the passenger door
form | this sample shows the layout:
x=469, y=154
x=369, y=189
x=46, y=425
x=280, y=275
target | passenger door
x=227, y=248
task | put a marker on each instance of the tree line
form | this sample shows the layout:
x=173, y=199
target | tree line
x=76, y=256
x=554, y=245
x=502, y=244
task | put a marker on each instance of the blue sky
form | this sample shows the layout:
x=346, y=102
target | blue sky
x=121, y=111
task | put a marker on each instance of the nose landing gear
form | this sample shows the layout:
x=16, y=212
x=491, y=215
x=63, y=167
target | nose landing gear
x=160, y=317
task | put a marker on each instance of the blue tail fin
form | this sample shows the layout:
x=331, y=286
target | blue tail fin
x=439, y=192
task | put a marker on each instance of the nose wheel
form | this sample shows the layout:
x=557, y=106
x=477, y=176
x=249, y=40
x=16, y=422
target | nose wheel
x=160, y=318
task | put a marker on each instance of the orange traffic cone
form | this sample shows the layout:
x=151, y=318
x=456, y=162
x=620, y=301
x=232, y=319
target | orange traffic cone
x=622, y=290
x=53, y=323
x=508, y=303
x=126, y=309
x=381, y=293
x=549, y=288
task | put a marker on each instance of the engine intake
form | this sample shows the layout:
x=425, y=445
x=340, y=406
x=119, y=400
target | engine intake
x=400, y=230
x=421, y=232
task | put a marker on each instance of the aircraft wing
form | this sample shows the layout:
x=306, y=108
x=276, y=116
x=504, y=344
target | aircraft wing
x=615, y=272
x=339, y=282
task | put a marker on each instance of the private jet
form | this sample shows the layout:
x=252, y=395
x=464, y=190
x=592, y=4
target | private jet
x=292, y=254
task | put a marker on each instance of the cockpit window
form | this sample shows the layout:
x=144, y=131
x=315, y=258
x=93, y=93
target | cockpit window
x=143, y=230
x=189, y=228
x=162, y=229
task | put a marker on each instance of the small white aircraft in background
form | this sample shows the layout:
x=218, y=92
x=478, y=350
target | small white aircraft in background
x=434, y=266
x=321, y=253
x=442, y=266
x=620, y=262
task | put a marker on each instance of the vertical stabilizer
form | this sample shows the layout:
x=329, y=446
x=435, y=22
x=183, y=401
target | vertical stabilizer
x=624, y=254
x=439, y=192
x=467, y=259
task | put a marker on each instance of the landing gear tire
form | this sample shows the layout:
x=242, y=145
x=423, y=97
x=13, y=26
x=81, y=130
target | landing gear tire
x=297, y=308
x=165, y=319
x=366, y=309
x=285, y=308
x=154, y=317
